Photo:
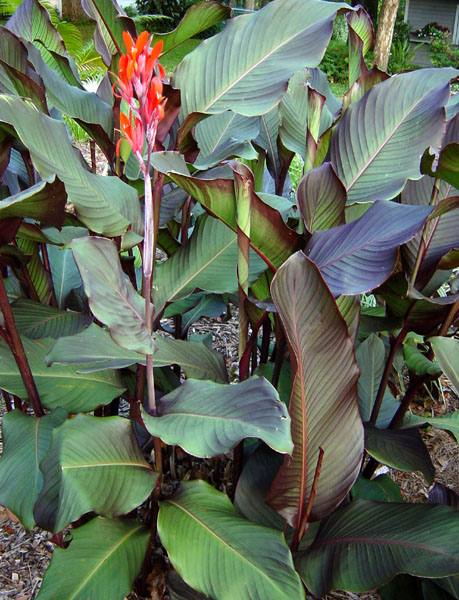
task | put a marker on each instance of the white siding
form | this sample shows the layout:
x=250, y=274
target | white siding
x=421, y=12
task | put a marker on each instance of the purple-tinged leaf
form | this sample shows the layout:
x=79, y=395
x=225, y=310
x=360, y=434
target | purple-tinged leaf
x=368, y=146
x=45, y=202
x=420, y=313
x=361, y=39
x=440, y=494
x=363, y=84
x=323, y=406
x=112, y=297
x=402, y=449
x=271, y=238
x=357, y=257
x=321, y=199
x=372, y=542
x=251, y=77
x=208, y=419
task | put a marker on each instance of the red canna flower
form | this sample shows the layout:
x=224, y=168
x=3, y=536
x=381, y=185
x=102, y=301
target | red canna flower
x=139, y=83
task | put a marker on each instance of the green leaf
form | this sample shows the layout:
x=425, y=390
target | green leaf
x=226, y=556
x=450, y=422
x=179, y=590
x=102, y=561
x=402, y=449
x=270, y=236
x=225, y=135
x=371, y=358
x=112, y=297
x=323, y=406
x=207, y=261
x=447, y=355
x=44, y=202
x=61, y=385
x=246, y=67
x=104, y=204
x=416, y=361
x=36, y=321
x=207, y=419
x=381, y=489
x=365, y=147
x=372, y=542
x=197, y=18
x=446, y=164
x=94, y=350
x=66, y=276
x=25, y=442
x=88, y=463
x=253, y=485
x=361, y=38
x=36, y=270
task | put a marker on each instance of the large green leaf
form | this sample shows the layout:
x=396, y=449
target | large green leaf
x=367, y=146
x=372, y=542
x=94, y=350
x=25, y=443
x=361, y=38
x=401, y=449
x=45, y=202
x=447, y=355
x=197, y=18
x=226, y=556
x=102, y=561
x=246, y=67
x=450, y=422
x=208, y=261
x=371, y=358
x=36, y=271
x=93, y=464
x=104, y=204
x=62, y=385
x=323, y=406
x=269, y=235
x=36, y=321
x=112, y=297
x=207, y=419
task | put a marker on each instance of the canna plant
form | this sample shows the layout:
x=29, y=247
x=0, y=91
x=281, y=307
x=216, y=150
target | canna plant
x=99, y=376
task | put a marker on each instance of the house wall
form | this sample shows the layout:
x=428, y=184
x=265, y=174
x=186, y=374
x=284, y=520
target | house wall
x=420, y=12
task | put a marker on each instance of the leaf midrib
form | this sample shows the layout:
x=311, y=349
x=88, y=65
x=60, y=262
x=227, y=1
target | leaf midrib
x=226, y=544
x=258, y=63
x=103, y=560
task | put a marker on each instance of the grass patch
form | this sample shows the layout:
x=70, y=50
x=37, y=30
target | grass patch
x=175, y=56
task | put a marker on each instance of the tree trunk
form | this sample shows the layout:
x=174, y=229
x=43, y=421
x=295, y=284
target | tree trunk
x=387, y=16
x=72, y=11
x=249, y=4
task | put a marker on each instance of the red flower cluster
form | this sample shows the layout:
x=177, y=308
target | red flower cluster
x=142, y=89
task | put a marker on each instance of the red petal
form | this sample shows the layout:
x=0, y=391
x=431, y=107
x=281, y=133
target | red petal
x=156, y=50
x=128, y=41
x=142, y=41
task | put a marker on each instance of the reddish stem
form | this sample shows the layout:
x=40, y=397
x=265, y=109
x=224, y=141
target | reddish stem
x=11, y=336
